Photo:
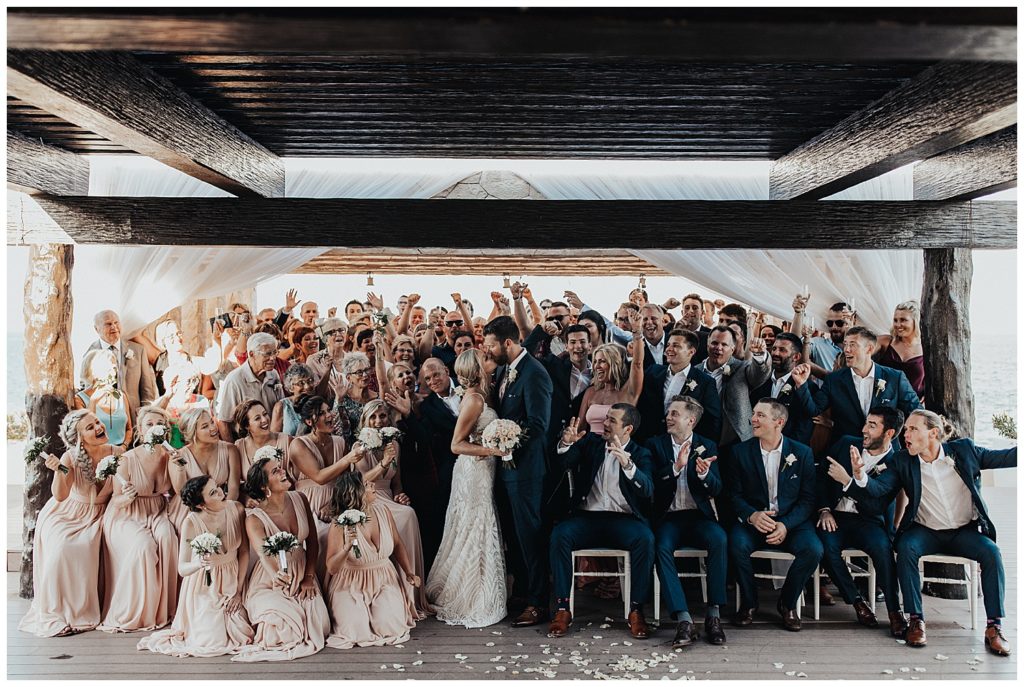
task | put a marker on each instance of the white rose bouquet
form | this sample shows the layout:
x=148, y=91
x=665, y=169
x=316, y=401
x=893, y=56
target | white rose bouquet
x=505, y=436
x=370, y=438
x=36, y=447
x=269, y=452
x=389, y=434
x=206, y=543
x=108, y=468
x=351, y=518
x=280, y=544
x=156, y=436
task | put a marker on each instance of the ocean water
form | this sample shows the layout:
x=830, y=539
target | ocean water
x=993, y=373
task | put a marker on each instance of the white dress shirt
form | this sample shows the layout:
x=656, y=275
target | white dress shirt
x=557, y=346
x=606, y=495
x=772, y=460
x=848, y=505
x=684, y=499
x=657, y=350
x=945, y=500
x=778, y=383
x=674, y=384
x=718, y=375
x=580, y=380
x=865, y=387
x=452, y=400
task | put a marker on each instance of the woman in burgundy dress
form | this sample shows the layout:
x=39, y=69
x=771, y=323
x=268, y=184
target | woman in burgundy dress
x=901, y=349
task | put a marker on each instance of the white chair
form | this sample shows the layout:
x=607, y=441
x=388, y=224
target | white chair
x=855, y=571
x=970, y=572
x=701, y=555
x=625, y=576
x=772, y=555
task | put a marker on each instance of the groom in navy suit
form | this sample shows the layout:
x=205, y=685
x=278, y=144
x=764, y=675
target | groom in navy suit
x=772, y=490
x=522, y=392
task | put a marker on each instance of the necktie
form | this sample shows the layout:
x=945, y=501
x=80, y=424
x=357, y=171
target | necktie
x=504, y=384
x=120, y=371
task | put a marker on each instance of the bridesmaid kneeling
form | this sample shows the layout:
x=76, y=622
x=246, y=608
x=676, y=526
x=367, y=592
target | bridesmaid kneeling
x=210, y=620
x=371, y=607
x=284, y=603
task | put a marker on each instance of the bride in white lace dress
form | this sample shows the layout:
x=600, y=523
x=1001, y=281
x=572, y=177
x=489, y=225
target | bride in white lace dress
x=467, y=583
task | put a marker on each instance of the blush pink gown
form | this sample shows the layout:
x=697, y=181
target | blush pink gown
x=319, y=495
x=221, y=472
x=247, y=450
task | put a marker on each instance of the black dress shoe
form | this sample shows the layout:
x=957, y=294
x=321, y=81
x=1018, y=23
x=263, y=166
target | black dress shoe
x=685, y=634
x=743, y=617
x=790, y=620
x=713, y=632
x=864, y=614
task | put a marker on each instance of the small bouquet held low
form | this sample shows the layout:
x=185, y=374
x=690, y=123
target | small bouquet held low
x=280, y=544
x=505, y=436
x=351, y=518
x=36, y=447
x=108, y=468
x=370, y=438
x=156, y=436
x=206, y=543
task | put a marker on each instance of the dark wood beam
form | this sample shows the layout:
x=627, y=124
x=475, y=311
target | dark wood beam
x=969, y=171
x=568, y=224
x=947, y=105
x=740, y=34
x=34, y=167
x=124, y=101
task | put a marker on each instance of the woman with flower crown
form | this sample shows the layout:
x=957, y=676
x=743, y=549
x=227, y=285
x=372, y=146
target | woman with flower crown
x=66, y=548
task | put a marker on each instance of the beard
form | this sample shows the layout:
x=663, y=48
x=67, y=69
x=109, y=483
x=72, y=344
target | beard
x=501, y=357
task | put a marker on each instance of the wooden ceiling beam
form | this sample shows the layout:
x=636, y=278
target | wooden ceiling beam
x=969, y=171
x=124, y=101
x=947, y=105
x=696, y=34
x=564, y=224
x=34, y=167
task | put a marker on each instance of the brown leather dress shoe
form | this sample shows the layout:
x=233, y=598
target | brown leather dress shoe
x=864, y=614
x=897, y=624
x=560, y=624
x=637, y=625
x=995, y=642
x=790, y=620
x=531, y=615
x=825, y=596
x=915, y=633
x=743, y=617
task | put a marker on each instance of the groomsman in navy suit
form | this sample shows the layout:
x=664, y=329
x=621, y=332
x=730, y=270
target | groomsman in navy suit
x=789, y=388
x=862, y=384
x=771, y=484
x=678, y=377
x=611, y=509
x=846, y=524
x=686, y=480
x=945, y=515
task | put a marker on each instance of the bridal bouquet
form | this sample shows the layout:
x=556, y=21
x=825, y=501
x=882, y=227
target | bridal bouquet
x=268, y=452
x=156, y=436
x=204, y=543
x=505, y=436
x=36, y=448
x=370, y=438
x=108, y=468
x=280, y=543
x=351, y=518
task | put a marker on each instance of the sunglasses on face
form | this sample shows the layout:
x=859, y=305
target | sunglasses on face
x=454, y=323
x=835, y=323
x=557, y=318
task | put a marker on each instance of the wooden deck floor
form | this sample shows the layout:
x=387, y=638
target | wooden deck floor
x=833, y=648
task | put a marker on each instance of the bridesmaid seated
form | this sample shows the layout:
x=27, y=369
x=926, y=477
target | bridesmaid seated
x=66, y=548
x=381, y=467
x=252, y=424
x=370, y=605
x=140, y=566
x=210, y=620
x=203, y=454
x=284, y=603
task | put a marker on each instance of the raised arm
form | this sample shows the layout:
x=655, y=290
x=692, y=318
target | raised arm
x=307, y=463
x=403, y=321
x=535, y=312
x=519, y=310
x=635, y=383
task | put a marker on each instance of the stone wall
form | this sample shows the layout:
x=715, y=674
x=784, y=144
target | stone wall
x=492, y=185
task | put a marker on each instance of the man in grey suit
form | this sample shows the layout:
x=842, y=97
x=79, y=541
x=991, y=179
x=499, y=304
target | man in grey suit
x=135, y=376
x=735, y=379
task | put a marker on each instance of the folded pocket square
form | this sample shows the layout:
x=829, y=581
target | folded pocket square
x=794, y=476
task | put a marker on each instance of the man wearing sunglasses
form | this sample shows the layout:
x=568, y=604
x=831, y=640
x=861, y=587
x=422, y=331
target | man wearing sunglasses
x=823, y=352
x=454, y=323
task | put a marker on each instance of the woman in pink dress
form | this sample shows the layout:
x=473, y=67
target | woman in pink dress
x=381, y=467
x=370, y=604
x=284, y=605
x=203, y=454
x=252, y=424
x=66, y=548
x=211, y=620
x=141, y=561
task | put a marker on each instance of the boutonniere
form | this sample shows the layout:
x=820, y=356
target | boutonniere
x=512, y=374
x=790, y=459
x=699, y=451
x=879, y=386
x=879, y=469
x=726, y=370
x=786, y=388
x=691, y=385
x=129, y=354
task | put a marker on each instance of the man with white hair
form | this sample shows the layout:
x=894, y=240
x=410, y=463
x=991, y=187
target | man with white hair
x=254, y=379
x=135, y=376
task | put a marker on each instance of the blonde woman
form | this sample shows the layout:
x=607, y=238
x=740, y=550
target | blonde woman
x=204, y=454
x=901, y=349
x=99, y=371
x=614, y=381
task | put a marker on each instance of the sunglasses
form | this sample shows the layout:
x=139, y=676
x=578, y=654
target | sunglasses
x=558, y=318
x=454, y=323
x=835, y=323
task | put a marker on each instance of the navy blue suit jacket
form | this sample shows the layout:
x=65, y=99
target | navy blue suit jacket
x=748, y=482
x=666, y=482
x=527, y=401
x=652, y=402
x=831, y=491
x=838, y=393
x=559, y=368
x=798, y=400
x=589, y=454
x=905, y=473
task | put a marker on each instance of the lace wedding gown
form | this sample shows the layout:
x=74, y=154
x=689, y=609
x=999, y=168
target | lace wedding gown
x=467, y=582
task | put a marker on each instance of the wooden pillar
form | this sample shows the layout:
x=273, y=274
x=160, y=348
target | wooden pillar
x=49, y=370
x=946, y=338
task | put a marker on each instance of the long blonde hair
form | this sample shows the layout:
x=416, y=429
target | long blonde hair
x=618, y=373
x=914, y=308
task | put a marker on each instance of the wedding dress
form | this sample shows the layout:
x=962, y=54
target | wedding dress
x=467, y=582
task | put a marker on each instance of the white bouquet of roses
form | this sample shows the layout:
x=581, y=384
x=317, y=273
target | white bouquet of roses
x=505, y=436
x=36, y=447
x=351, y=518
x=389, y=434
x=370, y=438
x=280, y=544
x=268, y=452
x=206, y=543
x=156, y=436
x=108, y=468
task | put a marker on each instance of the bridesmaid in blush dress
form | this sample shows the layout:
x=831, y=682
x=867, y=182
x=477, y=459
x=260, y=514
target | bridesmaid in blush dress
x=211, y=620
x=252, y=424
x=370, y=605
x=66, y=548
x=203, y=454
x=140, y=565
x=285, y=606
